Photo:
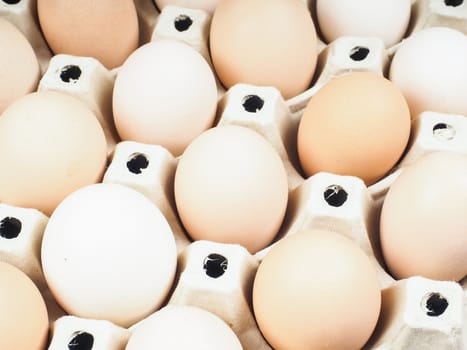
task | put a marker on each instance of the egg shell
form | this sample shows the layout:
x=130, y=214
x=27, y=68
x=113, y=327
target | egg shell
x=316, y=289
x=386, y=19
x=264, y=42
x=23, y=15
x=108, y=253
x=164, y=94
x=183, y=327
x=107, y=29
x=357, y=124
x=231, y=187
x=24, y=321
x=423, y=227
x=19, y=67
x=42, y=151
x=429, y=69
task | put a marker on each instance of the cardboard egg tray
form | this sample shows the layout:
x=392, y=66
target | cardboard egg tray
x=417, y=313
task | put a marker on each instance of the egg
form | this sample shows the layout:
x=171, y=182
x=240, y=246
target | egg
x=316, y=290
x=384, y=19
x=231, y=187
x=24, y=322
x=165, y=94
x=206, y=5
x=19, y=67
x=50, y=145
x=264, y=42
x=423, y=228
x=180, y=327
x=358, y=124
x=109, y=253
x=429, y=68
x=107, y=30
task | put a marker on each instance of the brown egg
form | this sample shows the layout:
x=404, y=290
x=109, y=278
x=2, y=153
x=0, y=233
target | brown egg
x=105, y=29
x=24, y=322
x=316, y=290
x=50, y=145
x=19, y=68
x=423, y=219
x=358, y=124
x=264, y=42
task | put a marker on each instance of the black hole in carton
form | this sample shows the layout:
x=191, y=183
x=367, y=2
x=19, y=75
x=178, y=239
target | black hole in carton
x=359, y=53
x=444, y=131
x=453, y=3
x=215, y=265
x=435, y=304
x=335, y=195
x=137, y=163
x=183, y=23
x=252, y=103
x=11, y=2
x=10, y=227
x=81, y=341
x=70, y=74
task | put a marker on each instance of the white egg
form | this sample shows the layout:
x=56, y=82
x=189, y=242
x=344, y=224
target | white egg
x=180, y=327
x=385, y=19
x=109, y=253
x=164, y=94
x=430, y=70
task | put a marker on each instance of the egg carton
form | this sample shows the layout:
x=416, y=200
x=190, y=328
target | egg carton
x=416, y=312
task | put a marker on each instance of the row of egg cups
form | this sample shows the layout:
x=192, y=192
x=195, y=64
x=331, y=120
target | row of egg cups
x=192, y=27
x=315, y=202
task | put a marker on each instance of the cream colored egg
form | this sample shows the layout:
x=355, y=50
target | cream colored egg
x=50, y=145
x=423, y=226
x=316, y=290
x=24, y=322
x=109, y=253
x=19, y=68
x=106, y=29
x=164, y=94
x=231, y=187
